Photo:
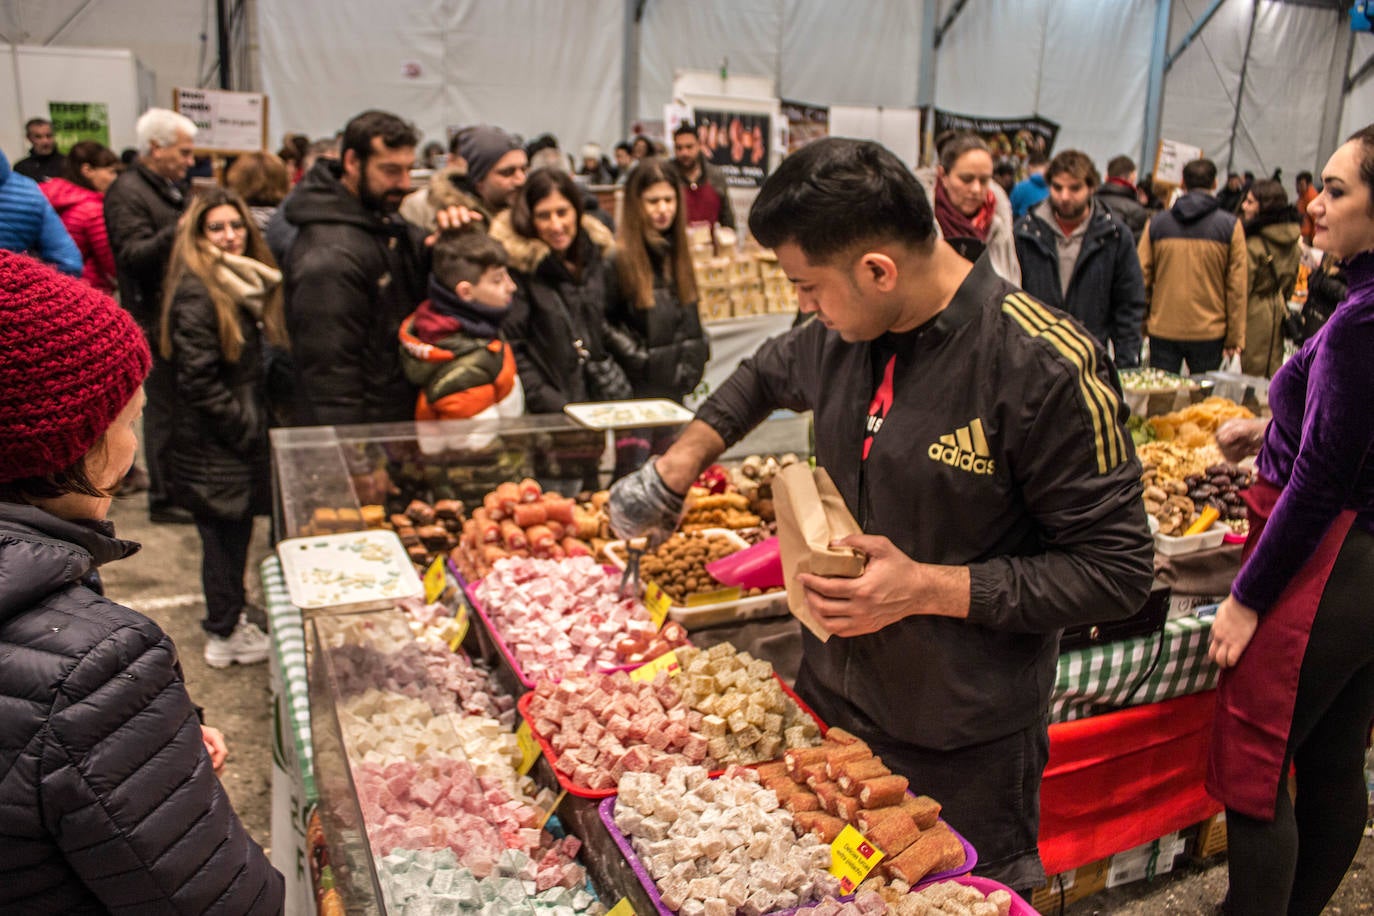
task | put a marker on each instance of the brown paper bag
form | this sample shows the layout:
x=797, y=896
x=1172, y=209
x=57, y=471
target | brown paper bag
x=811, y=513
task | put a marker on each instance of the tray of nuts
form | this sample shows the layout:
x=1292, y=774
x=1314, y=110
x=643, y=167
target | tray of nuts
x=678, y=567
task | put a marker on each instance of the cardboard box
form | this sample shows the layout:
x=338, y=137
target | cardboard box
x=714, y=307
x=1076, y=885
x=1145, y=861
x=1211, y=837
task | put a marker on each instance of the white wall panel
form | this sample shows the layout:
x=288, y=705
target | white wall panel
x=677, y=35
x=527, y=65
x=1094, y=75
x=1285, y=84
x=163, y=34
x=1359, y=104
x=324, y=63
x=1200, y=89
x=845, y=55
x=989, y=63
x=538, y=65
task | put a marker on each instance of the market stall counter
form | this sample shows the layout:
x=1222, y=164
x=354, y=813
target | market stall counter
x=423, y=482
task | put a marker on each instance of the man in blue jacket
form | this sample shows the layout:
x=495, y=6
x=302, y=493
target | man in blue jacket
x=1077, y=255
x=1033, y=188
x=29, y=224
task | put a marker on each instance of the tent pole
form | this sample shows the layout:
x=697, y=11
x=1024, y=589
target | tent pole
x=629, y=66
x=1348, y=85
x=1154, y=93
x=1193, y=32
x=226, y=75
x=925, y=71
x=1337, y=89
x=925, y=77
x=949, y=21
x=1240, y=88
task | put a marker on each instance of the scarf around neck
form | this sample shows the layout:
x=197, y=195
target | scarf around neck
x=955, y=224
x=477, y=319
x=249, y=282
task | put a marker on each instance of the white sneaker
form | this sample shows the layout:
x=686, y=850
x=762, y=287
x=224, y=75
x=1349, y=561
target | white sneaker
x=247, y=645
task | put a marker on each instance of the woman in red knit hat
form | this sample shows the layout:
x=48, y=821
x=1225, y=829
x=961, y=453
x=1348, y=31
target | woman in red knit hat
x=222, y=311
x=109, y=790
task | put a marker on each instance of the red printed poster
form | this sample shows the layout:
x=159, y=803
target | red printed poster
x=737, y=143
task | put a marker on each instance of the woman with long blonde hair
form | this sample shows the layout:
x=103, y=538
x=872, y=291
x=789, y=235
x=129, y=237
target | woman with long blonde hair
x=221, y=312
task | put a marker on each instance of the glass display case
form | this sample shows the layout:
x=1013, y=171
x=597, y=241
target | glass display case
x=332, y=473
x=338, y=470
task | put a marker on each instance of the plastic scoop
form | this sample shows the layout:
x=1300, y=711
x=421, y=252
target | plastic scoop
x=759, y=566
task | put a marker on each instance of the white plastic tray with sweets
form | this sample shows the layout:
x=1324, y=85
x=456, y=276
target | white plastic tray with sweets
x=1174, y=546
x=695, y=615
x=348, y=572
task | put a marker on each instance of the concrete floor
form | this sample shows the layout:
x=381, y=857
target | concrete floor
x=163, y=582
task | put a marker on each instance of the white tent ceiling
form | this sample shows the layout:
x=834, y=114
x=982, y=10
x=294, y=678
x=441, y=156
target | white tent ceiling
x=550, y=65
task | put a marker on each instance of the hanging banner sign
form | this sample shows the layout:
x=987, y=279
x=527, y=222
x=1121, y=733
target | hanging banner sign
x=737, y=143
x=805, y=123
x=1011, y=139
x=73, y=122
x=229, y=122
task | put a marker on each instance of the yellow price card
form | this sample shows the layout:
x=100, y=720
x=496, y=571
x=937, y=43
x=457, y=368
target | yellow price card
x=657, y=604
x=529, y=748
x=649, y=670
x=622, y=908
x=852, y=857
x=460, y=632
x=552, y=808
x=718, y=596
x=436, y=580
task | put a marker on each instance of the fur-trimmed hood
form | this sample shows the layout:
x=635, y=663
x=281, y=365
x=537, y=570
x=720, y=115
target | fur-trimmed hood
x=526, y=254
x=447, y=188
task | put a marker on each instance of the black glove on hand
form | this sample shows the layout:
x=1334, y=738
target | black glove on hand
x=642, y=506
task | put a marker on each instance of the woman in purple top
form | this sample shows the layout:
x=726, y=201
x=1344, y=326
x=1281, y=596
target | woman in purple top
x=1296, y=634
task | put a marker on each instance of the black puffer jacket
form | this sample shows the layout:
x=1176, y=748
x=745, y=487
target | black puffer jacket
x=352, y=276
x=218, y=459
x=1122, y=201
x=557, y=323
x=663, y=348
x=141, y=213
x=108, y=803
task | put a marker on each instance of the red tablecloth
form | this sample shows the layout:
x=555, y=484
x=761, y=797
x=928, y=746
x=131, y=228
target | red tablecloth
x=1119, y=780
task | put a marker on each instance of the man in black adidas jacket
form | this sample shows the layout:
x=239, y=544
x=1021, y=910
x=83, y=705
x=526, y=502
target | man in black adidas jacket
x=991, y=473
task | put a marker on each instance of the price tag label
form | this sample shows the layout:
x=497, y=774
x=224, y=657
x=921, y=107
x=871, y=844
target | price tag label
x=716, y=597
x=529, y=748
x=622, y=908
x=552, y=808
x=648, y=671
x=461, y=623
x=657, y=604
x=852, y=857
x=436, y=580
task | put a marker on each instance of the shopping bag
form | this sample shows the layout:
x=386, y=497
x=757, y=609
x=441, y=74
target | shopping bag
x=811, y=513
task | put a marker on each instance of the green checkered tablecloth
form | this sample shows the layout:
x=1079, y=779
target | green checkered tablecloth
x=1090, y=681
x=288, y=643
x=1101, y=678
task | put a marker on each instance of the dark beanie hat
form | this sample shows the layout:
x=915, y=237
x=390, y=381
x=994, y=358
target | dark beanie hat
x=482, y=147
x=70, y=360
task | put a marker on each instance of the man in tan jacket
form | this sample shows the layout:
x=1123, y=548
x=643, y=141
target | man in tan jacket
x=1196, y=272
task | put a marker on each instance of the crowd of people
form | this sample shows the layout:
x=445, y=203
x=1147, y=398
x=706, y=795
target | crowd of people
x=320, y=286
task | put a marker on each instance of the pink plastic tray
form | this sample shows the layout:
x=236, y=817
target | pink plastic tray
x=607, y=811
